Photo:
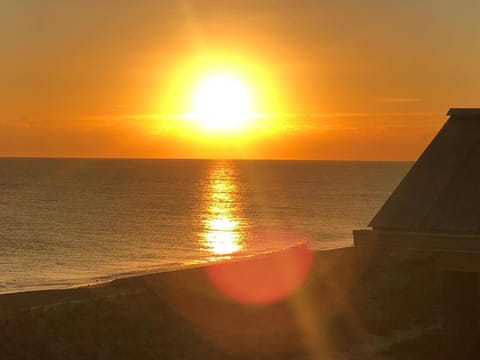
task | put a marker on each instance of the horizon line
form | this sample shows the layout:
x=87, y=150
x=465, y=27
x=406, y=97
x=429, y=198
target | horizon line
x=187, y=158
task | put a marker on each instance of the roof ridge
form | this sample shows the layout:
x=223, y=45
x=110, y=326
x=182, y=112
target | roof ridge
x=464, y=112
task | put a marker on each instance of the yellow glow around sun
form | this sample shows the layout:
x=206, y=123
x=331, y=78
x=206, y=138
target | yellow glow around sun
x=222, y=102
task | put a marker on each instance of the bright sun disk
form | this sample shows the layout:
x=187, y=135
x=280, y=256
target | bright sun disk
x=222, y=102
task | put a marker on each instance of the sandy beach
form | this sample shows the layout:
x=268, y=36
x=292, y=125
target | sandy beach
x=349, y=306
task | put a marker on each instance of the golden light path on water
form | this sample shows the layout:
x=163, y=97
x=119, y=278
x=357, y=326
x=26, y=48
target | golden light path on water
x=222, y=226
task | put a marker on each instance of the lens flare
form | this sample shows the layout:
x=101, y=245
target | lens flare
x=266, y=278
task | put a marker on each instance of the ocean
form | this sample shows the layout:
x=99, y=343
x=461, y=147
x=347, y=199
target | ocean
x=67, y=222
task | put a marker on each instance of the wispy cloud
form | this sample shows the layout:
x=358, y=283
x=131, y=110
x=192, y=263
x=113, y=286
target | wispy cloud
x=109, y=117
x=282, y=115
x=350, y=114
x=285, y=121
x=397, y=100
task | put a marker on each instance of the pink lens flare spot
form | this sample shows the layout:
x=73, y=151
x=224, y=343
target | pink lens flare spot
x=263, y=279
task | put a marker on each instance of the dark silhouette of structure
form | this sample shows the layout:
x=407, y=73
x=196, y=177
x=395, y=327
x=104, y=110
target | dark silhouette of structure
x=436, y=209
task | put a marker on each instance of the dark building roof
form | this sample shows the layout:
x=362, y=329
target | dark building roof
x=441, y=193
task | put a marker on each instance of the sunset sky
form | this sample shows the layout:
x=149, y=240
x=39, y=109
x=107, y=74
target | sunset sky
x=360, y=80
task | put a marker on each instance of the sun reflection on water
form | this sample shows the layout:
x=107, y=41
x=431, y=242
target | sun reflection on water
x=222, y=226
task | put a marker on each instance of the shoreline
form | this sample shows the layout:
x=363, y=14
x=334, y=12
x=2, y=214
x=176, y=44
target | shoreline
x=137, y=280
x=105, y=279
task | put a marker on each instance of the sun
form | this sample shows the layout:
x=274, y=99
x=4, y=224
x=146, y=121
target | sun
x=222, y=102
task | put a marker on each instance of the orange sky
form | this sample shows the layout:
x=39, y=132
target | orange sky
x=367, y=80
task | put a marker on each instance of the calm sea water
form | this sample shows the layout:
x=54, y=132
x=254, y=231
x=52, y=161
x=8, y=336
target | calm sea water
x=66, y=222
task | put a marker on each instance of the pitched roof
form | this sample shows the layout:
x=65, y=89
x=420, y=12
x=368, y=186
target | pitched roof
x=441, y=192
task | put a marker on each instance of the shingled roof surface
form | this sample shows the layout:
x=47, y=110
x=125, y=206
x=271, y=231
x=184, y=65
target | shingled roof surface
x=441, y=193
